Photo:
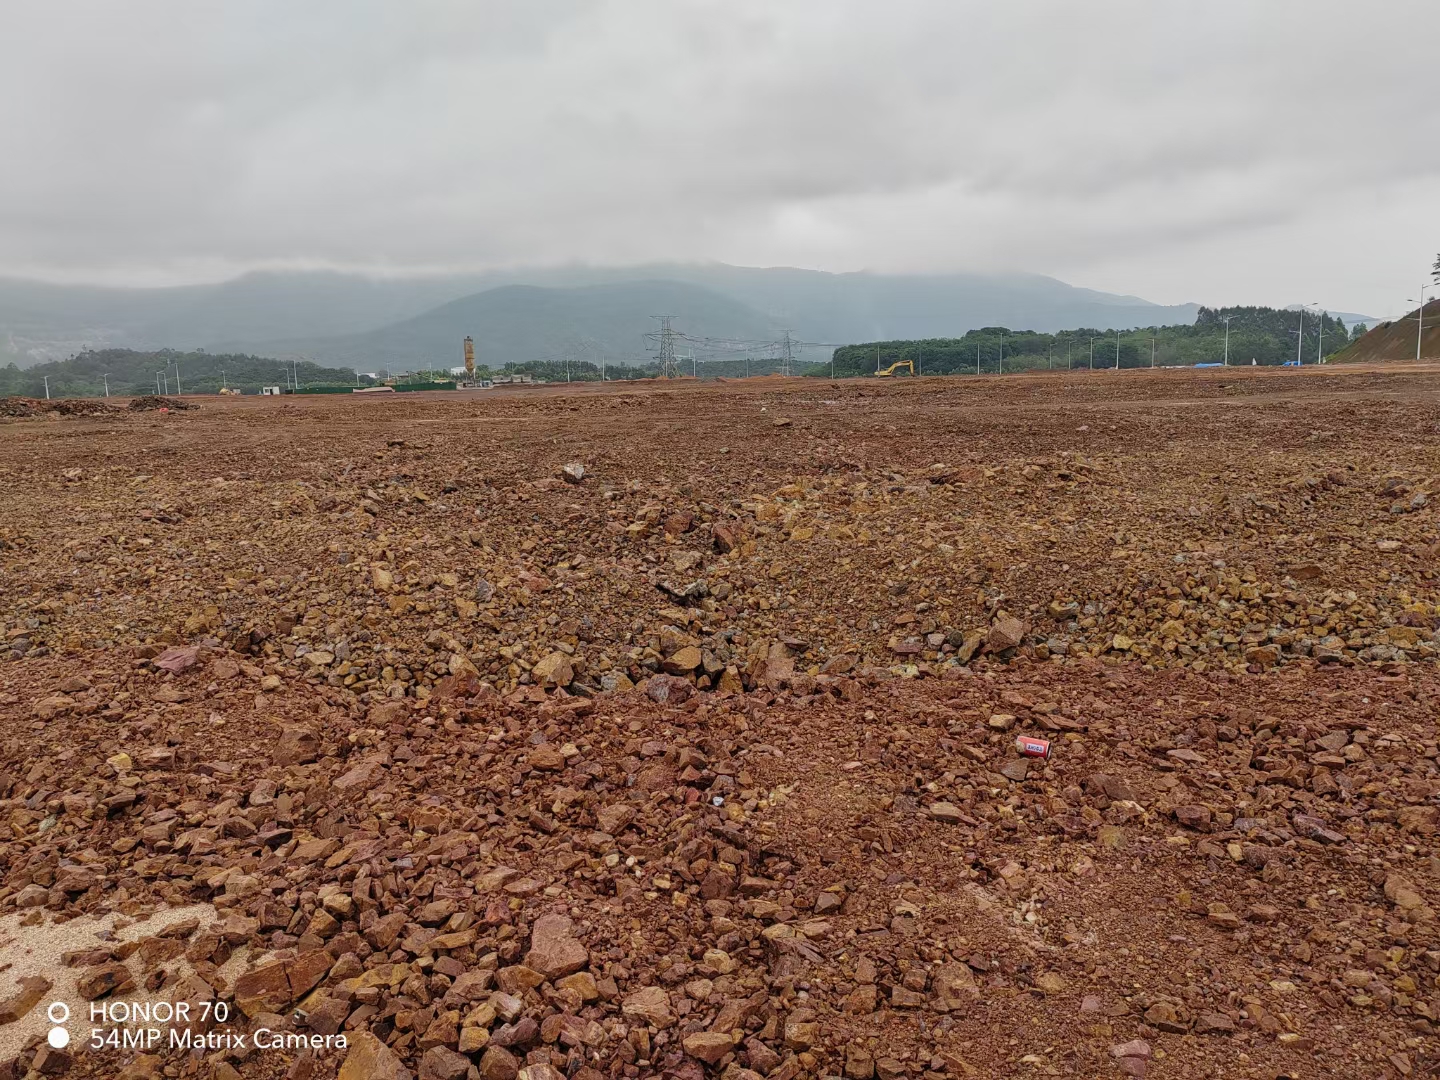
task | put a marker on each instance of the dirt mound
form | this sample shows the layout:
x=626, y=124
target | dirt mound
x=80, y=407
x=1396, y=340
x=22, y=407
x=152, y=402
x=19, y=407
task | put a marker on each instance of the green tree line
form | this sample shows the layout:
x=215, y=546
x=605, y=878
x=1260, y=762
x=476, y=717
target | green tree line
x=1266, y=335
x=131, y=373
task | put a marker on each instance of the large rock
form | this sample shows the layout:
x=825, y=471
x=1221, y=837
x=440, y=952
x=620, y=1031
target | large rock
x=1007, y=632
x=498, y=1064
x=105, y=979
x=708, y=1046
x=554, y=669
x=442, y=1063
x=178, y=658
x=370, y=1059
x=32, y=989
x=296, y=746
x=683, y=660
x=554, y=950
x=272, y=987
x=668, y=689
x=651, y=1004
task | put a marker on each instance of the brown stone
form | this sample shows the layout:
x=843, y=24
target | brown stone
x=1193, y=817
x=554, y=950
x=1007, y=632
x=272, y=987
x=708, y=1046
x=18, y=1004
x=499, y=1064
x=668, y=689
x=370, y=1059
x=107, y=978
x=442, y=1063
x=296, y=746
x=651, y=1004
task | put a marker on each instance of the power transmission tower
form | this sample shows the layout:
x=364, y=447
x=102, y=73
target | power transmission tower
x=668, y=367
x=787, y=353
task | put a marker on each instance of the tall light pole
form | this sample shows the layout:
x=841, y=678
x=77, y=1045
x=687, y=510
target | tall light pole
x=177, y=378
x=1300, y=336
x=1226, y=319
x=1052, y=356
x=106, y=376
x=1152, y=350
x=1320, y=344
x=47, y=386
x=1117, y=350
x=1420, y=316
x=977, y=357
x=1067, y=354
x=157, y=383
x=1092, y=354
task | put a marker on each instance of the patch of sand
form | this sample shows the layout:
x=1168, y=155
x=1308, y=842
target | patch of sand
x=36, y=950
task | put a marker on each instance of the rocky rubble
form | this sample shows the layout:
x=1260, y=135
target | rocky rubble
x=706, y=772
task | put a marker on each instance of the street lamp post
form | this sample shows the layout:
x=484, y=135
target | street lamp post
x=157, y=382
x=1299, y=334
x=1117, y=350
x=47, y=386
x=177, y=378
x=1226, y=319
x=106, y=376
x=1420, y=316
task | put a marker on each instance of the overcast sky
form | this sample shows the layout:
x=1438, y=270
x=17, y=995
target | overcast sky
x=1255, y=151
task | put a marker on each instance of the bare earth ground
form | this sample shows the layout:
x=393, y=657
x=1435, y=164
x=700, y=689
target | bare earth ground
x=705, y=764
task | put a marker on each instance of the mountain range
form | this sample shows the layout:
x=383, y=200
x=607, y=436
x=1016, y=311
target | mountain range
x=577, y=312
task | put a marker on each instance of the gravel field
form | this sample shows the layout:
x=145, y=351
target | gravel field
x=671, y=729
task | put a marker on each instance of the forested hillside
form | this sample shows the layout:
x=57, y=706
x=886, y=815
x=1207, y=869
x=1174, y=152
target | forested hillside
x=1266, y=335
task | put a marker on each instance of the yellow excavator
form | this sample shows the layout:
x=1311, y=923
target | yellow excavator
x=909, y=365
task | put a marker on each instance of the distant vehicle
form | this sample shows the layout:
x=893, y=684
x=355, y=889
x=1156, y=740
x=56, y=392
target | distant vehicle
x=373, y=390
x=1212, y=364
x=889, y=371
x=1291, y=363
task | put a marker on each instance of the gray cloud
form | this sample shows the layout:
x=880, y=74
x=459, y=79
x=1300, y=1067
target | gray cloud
x=1217, y=151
